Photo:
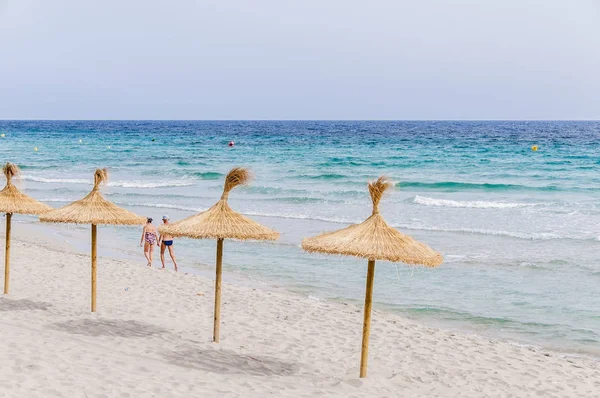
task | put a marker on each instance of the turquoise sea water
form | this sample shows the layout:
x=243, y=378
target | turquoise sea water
x=519, y=230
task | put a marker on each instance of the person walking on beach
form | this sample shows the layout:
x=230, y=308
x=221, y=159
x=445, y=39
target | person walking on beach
x=148, y=240
x=166, y=241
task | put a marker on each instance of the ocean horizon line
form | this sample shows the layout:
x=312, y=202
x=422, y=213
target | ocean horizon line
x=296, y=120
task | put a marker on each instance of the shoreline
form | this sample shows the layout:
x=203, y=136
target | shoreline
x=271, y=284
x=152, y=336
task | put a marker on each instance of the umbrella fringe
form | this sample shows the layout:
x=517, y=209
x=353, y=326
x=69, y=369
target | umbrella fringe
x=100, y=177
x=377, y=188
x=10, y=170
x=237, y=176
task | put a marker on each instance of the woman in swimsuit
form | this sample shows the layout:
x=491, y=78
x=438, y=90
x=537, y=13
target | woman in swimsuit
x=166, y=241
x=148, y=240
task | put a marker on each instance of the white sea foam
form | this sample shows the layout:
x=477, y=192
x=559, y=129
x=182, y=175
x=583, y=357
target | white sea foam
x=477, y=204
x=298, y=216
x=137, y=184
x=479, y=231
x=135, y=204
x=65, y=200
x=415, y=226
x=56, y=180
x=161, y=206
x=122, y=184
x=420, y=227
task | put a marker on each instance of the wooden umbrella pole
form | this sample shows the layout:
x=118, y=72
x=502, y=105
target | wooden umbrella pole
x=7, y=254
x=94, y=264
x=364, y=356
x=218, y=290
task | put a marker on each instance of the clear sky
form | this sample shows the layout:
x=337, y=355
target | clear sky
x=304, y=59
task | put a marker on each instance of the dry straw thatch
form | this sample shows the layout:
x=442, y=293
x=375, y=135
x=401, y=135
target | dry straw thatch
x=221, y=222
x=95, y=210
x=374, y=240
x=14, y=201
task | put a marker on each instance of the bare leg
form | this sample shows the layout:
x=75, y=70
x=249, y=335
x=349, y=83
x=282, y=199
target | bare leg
x=172, y=258
x=146, y=253
x=162, y=254
x=151, y=253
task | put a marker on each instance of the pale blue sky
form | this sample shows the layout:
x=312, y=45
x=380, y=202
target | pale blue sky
x=309, y=59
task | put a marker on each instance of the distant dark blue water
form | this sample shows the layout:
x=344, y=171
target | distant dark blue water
x=519, y=229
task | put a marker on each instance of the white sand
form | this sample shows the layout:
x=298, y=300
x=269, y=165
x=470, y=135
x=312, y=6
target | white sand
x=153, y=340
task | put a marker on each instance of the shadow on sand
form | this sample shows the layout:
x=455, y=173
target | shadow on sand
x=229, y=362
x=22, y=305
x=108, y=327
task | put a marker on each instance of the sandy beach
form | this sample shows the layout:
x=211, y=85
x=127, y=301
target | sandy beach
x=151, y=337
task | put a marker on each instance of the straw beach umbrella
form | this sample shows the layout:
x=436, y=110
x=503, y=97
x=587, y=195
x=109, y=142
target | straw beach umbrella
x=95, y=210
x=221, y=222
x=14, y=201
x=374, y=240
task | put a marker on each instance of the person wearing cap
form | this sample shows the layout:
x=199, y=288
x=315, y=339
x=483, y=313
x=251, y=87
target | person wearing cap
x=166, y=241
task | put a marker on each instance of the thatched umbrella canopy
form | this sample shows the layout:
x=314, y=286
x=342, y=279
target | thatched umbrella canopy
x=95, y=210
x=14, y=201
x=221, y=222
x=374, y=240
